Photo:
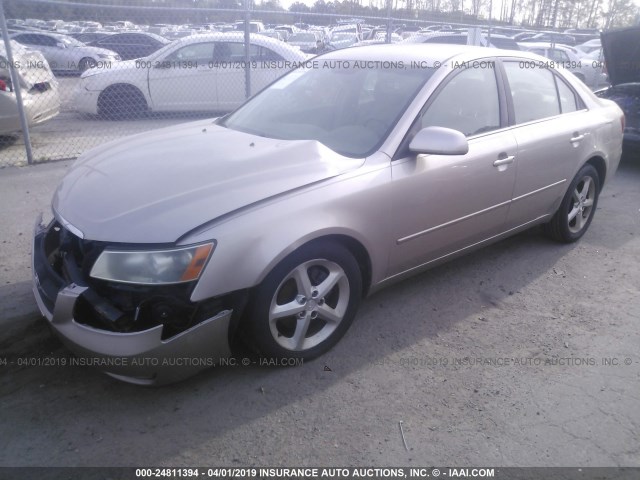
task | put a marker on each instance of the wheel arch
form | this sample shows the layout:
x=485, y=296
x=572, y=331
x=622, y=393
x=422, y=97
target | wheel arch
x=355, y=247
x=260, y=258
x=601, y=167
x=122, y=86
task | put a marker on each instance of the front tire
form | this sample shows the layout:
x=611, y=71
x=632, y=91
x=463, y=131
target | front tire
x=306, y=304
x=86, y=63
x=578, y=206
x=119, y=102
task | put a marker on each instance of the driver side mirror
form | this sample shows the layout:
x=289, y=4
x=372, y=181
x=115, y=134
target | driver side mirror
x=60, y=45
x=439, y=141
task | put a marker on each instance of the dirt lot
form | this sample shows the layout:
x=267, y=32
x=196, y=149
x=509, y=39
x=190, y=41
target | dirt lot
x=522, y=354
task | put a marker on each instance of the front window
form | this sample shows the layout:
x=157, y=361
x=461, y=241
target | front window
x=468, y=103
x=350, y=110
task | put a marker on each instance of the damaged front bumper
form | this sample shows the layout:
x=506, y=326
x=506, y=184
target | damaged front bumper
x=142, y=357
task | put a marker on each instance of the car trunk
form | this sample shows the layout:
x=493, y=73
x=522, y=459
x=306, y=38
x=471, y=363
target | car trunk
x=622, y=55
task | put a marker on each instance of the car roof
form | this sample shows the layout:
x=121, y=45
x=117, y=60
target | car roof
x=237, y=36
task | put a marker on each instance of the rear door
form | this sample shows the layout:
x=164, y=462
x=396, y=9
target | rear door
x=553, y=133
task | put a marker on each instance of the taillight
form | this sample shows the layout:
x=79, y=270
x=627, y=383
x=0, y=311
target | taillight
x=3, y=85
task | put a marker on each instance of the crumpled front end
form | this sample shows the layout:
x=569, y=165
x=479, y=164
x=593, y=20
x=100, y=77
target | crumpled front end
x=149, y=335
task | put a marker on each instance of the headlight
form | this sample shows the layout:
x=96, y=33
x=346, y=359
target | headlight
x=152, y=267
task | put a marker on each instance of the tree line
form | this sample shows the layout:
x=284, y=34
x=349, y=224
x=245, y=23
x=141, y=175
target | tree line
x=556, y=14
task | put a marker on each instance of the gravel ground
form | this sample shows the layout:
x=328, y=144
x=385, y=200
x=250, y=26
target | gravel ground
x=522, y=354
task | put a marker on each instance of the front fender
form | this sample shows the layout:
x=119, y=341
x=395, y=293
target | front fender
x=250, y=245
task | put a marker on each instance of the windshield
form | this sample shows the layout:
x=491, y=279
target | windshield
x=351, y=110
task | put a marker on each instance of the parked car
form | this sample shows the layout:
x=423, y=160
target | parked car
x=130, y=45
x=198, y=73
x=64, y=53
x=254, y=27
x=339, y=40
x=551, y=37
x=286, y=30
x=583, y=34
x=88, y=37
x=590, y=45
x=553, y=51
x=354, y=28
x=593, y=70
x=308, y=42
x=271, y=223
x=586, y=68
x=278, y=35
x=622, y=60
x=40, y=96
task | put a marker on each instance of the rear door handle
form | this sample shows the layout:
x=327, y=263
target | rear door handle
x=504, y=161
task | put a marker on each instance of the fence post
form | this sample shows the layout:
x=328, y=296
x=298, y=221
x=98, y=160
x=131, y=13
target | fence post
x=389, y=29
x=15, y=81
x=247, y=49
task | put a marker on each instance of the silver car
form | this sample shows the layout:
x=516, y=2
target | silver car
x=65, y=53
x=269, y=225
x=40, y=96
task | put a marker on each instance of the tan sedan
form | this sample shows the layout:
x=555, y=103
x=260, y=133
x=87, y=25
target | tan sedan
x=269, y=225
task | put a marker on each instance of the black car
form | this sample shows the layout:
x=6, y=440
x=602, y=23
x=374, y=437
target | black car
x=131, y=45
x=88, y=37
x=622, y=59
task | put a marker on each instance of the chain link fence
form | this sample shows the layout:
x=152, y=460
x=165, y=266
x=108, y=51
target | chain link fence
x=88, y=73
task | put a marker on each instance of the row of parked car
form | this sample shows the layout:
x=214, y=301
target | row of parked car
x=174, y=74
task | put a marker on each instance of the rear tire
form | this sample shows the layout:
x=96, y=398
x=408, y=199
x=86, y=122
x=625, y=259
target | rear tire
x=306, y=303
x=578, y=206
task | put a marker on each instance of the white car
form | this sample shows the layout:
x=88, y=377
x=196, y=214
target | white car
x=590, y=45
x=585, y=67
x=65, y=53
x=562, y=54
x=198, y=73
x=40, y=95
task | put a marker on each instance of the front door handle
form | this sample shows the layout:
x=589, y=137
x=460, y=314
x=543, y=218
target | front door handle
x=504, y=161
x=576, y=138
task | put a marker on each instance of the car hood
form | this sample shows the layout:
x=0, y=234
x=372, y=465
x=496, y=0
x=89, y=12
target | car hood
x=116, y=69
x=155, y=187
x=622, y=54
